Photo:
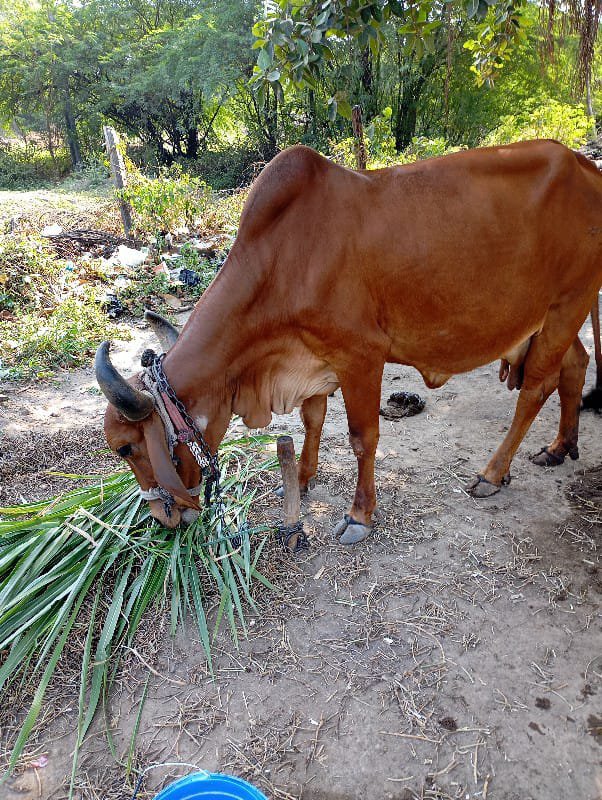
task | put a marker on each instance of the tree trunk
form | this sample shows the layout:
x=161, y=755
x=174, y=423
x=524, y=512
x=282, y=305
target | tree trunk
x=358, y=135
x=312, y=113
x=367, y=80
x=163, y=154
x=406, y=117
x=192, y=142
x=589, y=103
x=70, y=127
x=271, y=127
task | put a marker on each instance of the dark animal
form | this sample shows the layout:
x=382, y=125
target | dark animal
x=444, y=265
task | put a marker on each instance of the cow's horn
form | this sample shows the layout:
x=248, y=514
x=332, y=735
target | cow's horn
x=132, y=403
x=165, y=332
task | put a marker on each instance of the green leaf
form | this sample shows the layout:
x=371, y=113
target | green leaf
x=344, y=109
x=332, y=109
x=471, y=8
x=264, y=60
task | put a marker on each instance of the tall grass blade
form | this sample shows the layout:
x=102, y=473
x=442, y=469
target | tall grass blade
x=98, y=544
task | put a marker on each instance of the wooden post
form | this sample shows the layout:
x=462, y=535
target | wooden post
x=358, y=134
x=290, y=483
x=119, y=175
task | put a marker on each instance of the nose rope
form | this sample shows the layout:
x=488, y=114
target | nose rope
x=151, y=386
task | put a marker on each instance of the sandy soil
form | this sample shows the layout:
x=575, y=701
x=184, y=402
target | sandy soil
x=457, y=653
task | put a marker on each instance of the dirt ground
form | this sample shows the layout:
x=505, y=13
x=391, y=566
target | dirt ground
x=457, y=653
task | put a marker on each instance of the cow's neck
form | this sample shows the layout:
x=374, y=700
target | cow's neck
x=236, y=355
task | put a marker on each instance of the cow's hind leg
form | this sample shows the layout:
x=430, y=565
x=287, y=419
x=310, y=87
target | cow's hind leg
x=570, y=386
x=362, y=402
x=313, y=412
x=541, y=378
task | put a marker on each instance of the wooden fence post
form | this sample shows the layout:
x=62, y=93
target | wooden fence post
x=290, y=484
x=119, y=175
x=358, y=134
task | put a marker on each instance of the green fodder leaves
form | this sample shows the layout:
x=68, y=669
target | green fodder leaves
x=97, y=548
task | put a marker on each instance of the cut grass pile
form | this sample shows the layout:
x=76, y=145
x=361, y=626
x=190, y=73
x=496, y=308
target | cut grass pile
x=97, y=547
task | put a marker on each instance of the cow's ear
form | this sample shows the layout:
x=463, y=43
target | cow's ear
x=163, y=468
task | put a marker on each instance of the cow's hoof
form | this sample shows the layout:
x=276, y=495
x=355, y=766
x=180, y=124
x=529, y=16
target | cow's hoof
x=545, y=458
x=303, y=490
x=349, y=531
x=481, y=487
x=311, y=484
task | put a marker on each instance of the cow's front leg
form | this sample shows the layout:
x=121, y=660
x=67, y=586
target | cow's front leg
x=313, y=411
x=362, y=402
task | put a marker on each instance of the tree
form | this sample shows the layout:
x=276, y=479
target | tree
x=296, y=39
x=37, y=76
x=170, y=75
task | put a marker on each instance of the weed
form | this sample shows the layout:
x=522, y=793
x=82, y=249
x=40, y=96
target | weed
x=550, y=119
x=223, y=212
x=30, y=274
x=166, y=202
x=27, y=166
x=31, y=346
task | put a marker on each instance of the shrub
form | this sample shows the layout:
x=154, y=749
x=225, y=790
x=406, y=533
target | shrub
x=423, y=147
x=67, y=337
x=380, y=147
x=222, y=214
x=30, y=274
x=551, y=119
x=229, y=168
x=22, y=167
x=166, y=202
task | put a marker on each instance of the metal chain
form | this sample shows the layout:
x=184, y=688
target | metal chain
x=208, y=461
x=200, y=450
x=286, y=532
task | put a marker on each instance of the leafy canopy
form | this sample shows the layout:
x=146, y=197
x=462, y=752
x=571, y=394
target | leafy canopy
x=295, y=37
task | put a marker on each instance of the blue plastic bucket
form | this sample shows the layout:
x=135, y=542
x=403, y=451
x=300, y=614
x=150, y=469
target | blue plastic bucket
x=210, y=786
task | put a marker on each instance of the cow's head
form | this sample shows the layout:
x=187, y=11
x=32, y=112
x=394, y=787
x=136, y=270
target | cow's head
x=135, y=432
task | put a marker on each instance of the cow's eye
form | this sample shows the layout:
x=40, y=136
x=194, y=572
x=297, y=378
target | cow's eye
x=124, y=451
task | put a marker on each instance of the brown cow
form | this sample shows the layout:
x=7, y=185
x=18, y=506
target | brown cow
x=444, y=265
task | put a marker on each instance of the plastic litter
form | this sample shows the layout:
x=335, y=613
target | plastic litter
x=112, y=306
x=128, y=257
x=188, y=277
x=52, y=230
